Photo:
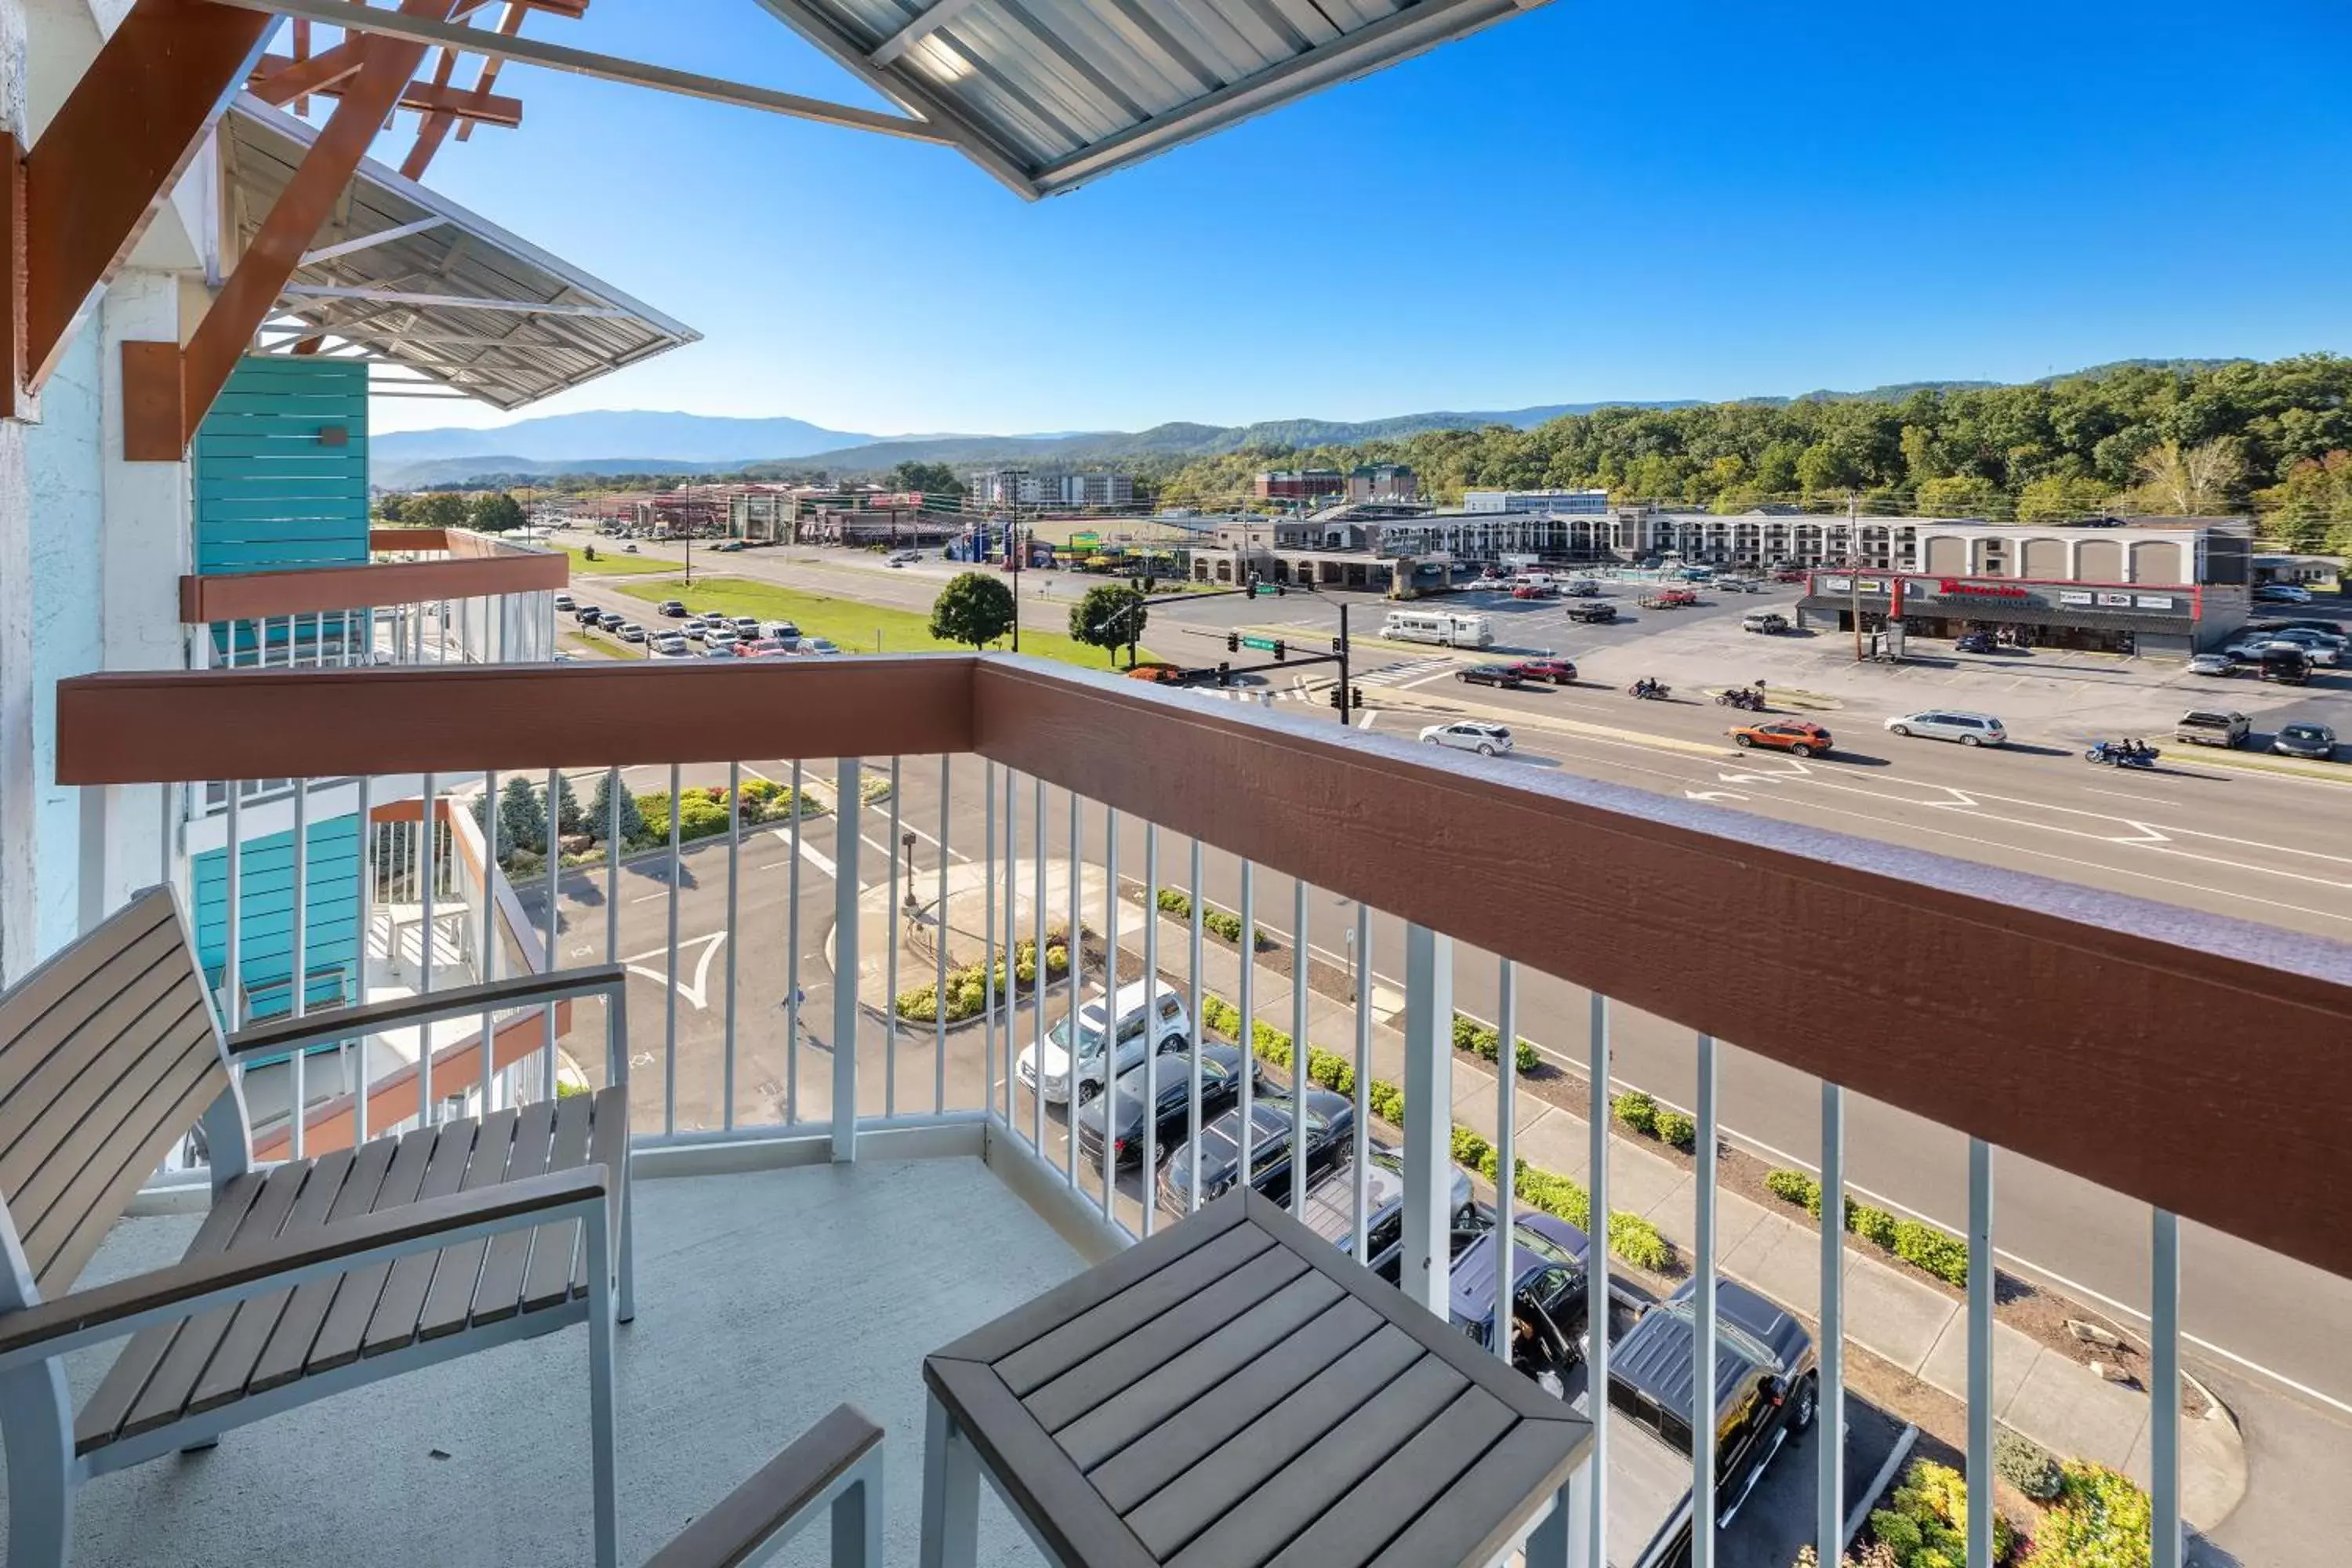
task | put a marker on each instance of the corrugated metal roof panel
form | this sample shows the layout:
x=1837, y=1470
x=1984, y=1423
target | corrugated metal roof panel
x=1046, y=94
x=431, y=246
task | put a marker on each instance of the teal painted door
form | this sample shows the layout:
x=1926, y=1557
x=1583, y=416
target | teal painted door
x=332, y=939
x=275, y=491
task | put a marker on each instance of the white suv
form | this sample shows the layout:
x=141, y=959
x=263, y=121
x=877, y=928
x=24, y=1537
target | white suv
x=1162, y=1024
x=1468, y=735
x=1945, y=724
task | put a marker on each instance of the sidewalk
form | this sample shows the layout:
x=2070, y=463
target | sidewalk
x=1893, y=1313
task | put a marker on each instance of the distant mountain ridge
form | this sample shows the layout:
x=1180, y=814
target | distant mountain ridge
x=675, y=443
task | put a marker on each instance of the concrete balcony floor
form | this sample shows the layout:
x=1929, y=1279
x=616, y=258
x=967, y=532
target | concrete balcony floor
x=764, y=1300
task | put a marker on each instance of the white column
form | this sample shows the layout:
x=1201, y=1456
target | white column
x=1428, y=1115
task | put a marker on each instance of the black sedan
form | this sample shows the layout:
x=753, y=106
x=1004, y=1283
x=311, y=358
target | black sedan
x=1330, y=1132
x=1123, y=1110
x=1489, y=675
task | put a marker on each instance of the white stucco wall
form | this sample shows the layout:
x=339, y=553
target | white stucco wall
x=19, y=948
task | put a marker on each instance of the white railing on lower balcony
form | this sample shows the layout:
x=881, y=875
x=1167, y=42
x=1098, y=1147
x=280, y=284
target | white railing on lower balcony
x=824, y=949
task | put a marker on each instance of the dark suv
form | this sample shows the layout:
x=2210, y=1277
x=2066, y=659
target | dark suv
x=1766, y=1391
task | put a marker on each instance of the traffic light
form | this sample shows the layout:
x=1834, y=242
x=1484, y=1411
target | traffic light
x=1232, y=642
x=1279, y=651
x=1225, y=674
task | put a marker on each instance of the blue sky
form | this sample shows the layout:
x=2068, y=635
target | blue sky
x=1687, y=199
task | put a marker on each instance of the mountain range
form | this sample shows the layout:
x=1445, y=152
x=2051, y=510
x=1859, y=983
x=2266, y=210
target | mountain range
x=652, y=442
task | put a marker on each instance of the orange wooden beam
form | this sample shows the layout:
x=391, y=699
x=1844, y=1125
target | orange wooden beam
x=423, y=97
x=107, y=162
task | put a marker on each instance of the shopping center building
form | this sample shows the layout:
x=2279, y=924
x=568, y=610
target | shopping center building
x=2163, y=587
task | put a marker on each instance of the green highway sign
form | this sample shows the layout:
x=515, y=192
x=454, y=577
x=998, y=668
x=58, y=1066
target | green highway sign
x=1263, y=645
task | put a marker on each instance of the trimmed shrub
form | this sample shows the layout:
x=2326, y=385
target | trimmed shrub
x=1676, y=1129
x=1173, y=901
x=1387, y=1101
x=2026, y=1465
x=1638, y=1111
x=1795, y=1187
x=1926, y=1520
x=1874, y=1226
x=1939, y=1253
x=1639, y=1243
x=1469, y=1035
x=2100, y=1519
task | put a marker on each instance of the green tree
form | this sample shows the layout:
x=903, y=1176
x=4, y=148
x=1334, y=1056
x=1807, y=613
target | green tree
x=2196, y=482
x=522, y=819
x=569, y=817
x=1111, y=616
x=931, y=478
x=2054, y=498
x=1958, y=495
x=600, y=813
x=975, y=607
x=391, y=506
x=438, y=508
x=496, y=511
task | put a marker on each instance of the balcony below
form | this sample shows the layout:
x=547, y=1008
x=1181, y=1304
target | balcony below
x=764, y=1300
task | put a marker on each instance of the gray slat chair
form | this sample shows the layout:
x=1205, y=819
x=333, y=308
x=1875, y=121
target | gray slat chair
x=307, y=1278
x=838, y=1461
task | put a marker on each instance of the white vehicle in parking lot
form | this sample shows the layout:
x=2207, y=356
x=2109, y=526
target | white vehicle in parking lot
x=1468, y=735
x=1160, y=1024
x=1949, y=724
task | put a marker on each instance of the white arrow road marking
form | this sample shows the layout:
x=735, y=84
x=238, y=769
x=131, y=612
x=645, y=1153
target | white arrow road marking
x=696, y=992
x=1712, y=794
x=2146, y=834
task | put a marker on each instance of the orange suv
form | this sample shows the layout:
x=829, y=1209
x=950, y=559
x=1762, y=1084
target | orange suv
x=1794, y=736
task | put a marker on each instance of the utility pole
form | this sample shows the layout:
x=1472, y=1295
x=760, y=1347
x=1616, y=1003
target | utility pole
x=1853, y=567
x=1013, y=554
x=1347, y=692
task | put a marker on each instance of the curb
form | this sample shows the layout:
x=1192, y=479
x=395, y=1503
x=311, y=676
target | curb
x=2256, y=762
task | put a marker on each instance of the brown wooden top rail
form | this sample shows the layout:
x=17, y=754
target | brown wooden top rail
x=2196, y=1062
x=256, y=595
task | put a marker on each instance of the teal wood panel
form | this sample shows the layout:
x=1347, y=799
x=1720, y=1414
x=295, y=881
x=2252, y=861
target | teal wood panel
x=332, y=939
x=271, y=495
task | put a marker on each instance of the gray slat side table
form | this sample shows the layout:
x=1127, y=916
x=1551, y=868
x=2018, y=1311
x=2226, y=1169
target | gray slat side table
x=1238, y=1390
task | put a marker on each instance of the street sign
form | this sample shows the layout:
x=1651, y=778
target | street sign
x=1263, y=645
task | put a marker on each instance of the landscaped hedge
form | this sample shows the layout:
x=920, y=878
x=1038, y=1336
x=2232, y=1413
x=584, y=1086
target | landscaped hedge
x=1651, y=1120
x=1926, y=1520
x=1927, y=1247
x=1177, y=902
x=1469, y=1035
x=968, y=984
x=2100, y=1519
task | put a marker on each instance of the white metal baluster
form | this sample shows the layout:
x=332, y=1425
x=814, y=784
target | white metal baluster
x=1300, y=958
x=1361, y=1157
x=793, y=961
x=1596, y=1272
x=1193, y=1143
x=1151, y=1165
x=427, y=847
x=1075, y=947
x=734, y=871
x=939, y=985
x=1704, y=1433
x=988, y=939
x=233, y=994
x=1248, y=1041
x=1012, y=945
x=1507, y=1083
x=1980, y=1349
x=669, y=995
x=487, y=1057
x=1829, y=1453
x=1111, y=1009
x=849, y=806
x=367, y=923
x=1425, y=1267
x=2164, y=1389
x=554, y=893
x=1037, y=993
x=614, y=1029
x=298, y=1096
x=890, y=925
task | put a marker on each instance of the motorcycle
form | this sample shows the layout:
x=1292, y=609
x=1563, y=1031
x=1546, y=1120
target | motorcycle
x=1742, y=697
x=1652, y=691
x=2122, y=754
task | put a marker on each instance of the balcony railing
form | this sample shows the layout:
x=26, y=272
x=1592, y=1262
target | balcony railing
x=2100, y=1036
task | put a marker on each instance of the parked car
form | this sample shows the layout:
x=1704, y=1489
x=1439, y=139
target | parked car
x=2285, y=664
x=2204, y=727
x=746, y=627
x=1330, y=1128
x=673, y=607
x=814, y=648
x=1330, y=1209
x=566, y=605
x=1766, y=1394
x=610, y=620
x=588, y=615
x=2312, y=743
x=782, y=630
x=761, y=648
x=1547, y=1294
x=1535, y=591
x=720, y=638
x=1170, y=1076
x=1769, y=622
x=632, y=632
x=1597, y=612
x=730, y=548
x=1951, y=725
x=2324, y=650
x=1796, y=736
x=1976, y=642
x=1558, y=671
x=2212, y=664
x=694, y=627
x=2313, y=624
x=1162, y=1022
x=2281, y=594
x=1583, y=587
x=668, y=644
x=1468, y=735
x=1788, y=576
x=905, y=557
x=1488, y=675
x=631, y=550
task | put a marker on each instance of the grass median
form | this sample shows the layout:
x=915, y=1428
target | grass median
x=608, y=565
x=856, y=627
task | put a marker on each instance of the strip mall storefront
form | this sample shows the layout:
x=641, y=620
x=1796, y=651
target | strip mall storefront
x=2106, y=617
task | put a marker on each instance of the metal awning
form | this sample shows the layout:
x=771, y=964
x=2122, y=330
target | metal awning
x=1046, y=94
x=404, y=276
